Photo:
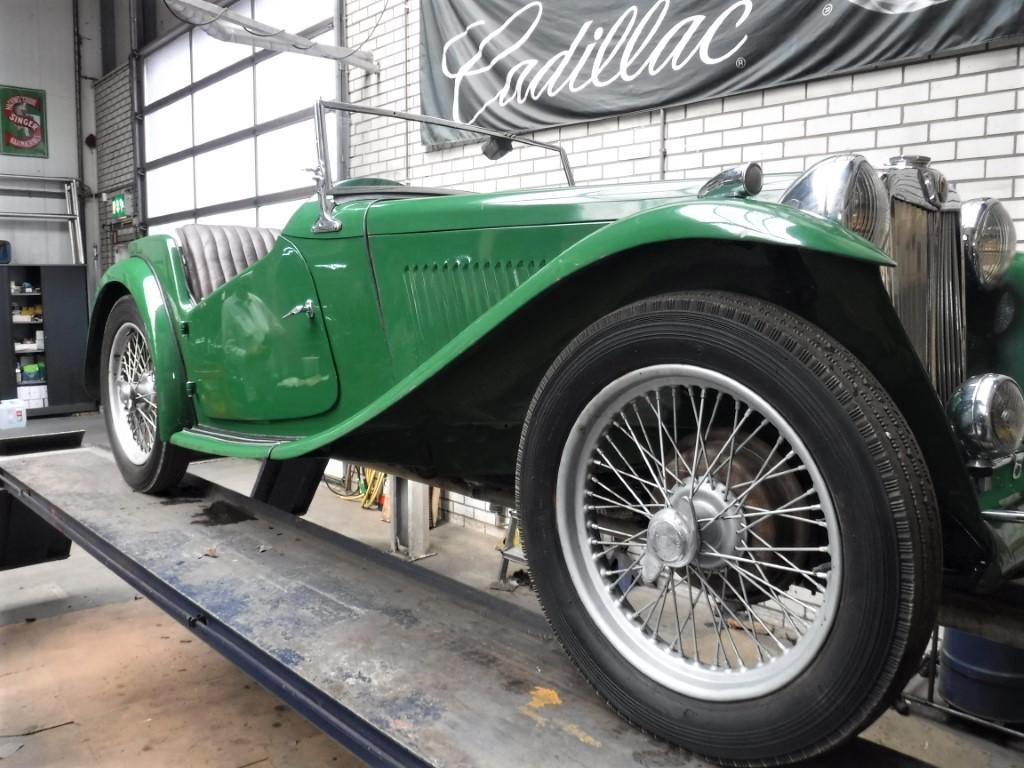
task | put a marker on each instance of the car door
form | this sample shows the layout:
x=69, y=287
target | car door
x=256, y=348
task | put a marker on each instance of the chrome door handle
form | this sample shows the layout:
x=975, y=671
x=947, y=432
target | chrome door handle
x=298, y=309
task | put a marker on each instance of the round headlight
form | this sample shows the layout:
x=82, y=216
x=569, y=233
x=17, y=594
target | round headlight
x=989, y=239
x=846, y=189
x=987, y=412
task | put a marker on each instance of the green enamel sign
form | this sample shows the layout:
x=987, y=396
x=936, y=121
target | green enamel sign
x=23, y=122
x=118, y=207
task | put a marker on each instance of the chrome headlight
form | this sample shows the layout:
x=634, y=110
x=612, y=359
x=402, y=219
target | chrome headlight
x=987, y=412
x=846, y=189
x=990, y=239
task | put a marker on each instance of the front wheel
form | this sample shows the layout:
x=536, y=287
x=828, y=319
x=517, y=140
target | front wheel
x=731, y=528
x=130, y=405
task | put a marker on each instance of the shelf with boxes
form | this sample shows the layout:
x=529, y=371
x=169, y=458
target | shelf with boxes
x=43, y=363
x=28, y=336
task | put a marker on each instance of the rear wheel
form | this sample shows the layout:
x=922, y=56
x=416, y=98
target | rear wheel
x=730, y=526
x=131, y=405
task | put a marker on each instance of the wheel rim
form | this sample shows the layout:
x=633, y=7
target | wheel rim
x=698, y=532
x=132, y=394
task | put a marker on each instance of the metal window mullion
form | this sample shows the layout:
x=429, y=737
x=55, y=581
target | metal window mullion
x=232, y=69
x=136, y=84
x=255, y=143
x=192, y=111
x=256, y=201
x=232, y=138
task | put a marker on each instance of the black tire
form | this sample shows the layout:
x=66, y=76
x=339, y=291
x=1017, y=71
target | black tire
x=166, y=464
x=881, y=492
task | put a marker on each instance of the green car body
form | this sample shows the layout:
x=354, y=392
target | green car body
x=436, y=318
x=794, y=403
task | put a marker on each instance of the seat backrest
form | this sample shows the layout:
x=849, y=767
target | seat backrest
x=212, y=254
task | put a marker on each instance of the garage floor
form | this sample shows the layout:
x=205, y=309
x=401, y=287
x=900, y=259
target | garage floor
x=93, y=675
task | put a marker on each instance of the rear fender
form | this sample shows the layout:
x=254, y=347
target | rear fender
x=134, y=277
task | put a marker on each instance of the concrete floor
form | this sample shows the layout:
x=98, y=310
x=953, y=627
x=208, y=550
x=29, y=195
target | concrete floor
x=93, y=675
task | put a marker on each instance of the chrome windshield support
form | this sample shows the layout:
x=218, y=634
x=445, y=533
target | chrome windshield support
x=1003, y=515
x=325, y=222
x=343, y=106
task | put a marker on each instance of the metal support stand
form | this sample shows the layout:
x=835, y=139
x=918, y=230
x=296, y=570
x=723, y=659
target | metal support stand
x=410, y=518
x=510, y=553
x=289, y=485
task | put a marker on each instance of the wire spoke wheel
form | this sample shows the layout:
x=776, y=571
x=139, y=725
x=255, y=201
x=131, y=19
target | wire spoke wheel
x=699, y=532
x=132, y=394
x=730, y=526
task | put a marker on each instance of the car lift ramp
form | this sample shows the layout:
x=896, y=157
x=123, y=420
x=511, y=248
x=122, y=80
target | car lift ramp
x=400, y=665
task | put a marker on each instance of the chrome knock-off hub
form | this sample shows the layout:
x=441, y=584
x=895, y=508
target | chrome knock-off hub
x=672, y=536
x=696, y=527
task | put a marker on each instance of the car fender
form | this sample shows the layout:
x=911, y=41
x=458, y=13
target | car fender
x=741, y=220
x=745, y=220
x=135, y=277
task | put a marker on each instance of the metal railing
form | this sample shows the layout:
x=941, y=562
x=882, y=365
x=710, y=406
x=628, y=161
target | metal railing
x=25, y=186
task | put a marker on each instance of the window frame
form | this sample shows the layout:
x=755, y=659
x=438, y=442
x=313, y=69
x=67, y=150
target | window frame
x=193, y=150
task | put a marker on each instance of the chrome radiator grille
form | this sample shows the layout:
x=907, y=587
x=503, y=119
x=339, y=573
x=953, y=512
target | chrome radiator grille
x=927, y=288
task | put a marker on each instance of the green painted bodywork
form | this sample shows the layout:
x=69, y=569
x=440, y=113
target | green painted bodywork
x=403, y=289
x=250, y=361
x=1006, y=357
x=408, y=288
x=143, y=277
x=1010, y=343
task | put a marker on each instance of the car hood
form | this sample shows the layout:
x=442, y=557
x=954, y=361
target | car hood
x=538, y=207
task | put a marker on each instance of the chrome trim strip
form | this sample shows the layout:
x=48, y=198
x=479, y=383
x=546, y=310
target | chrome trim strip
x=237, y=437
x=1003, y=515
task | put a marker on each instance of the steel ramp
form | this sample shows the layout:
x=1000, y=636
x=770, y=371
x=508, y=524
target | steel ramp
x=400, y=665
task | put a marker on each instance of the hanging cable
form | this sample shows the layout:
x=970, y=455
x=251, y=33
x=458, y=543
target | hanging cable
x=369, y=37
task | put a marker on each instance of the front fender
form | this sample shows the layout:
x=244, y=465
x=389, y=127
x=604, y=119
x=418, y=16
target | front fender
x=740, y=220
x=734, y=220
x=134, y=277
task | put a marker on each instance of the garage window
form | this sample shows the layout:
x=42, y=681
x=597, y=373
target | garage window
x=222, y=140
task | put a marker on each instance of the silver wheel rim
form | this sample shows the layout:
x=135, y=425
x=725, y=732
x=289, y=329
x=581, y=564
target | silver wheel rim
x=131, y=390
x=693, y=583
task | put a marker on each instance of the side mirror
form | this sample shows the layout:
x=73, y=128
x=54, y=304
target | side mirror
x=496, y=148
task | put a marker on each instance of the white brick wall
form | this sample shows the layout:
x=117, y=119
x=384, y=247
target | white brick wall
x=473, y=513
x=966, y=112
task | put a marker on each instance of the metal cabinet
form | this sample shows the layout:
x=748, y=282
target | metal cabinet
x=61, y=291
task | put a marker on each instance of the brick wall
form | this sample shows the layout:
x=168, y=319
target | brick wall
x=473, y=513
x=115, y=158
x=966, y=112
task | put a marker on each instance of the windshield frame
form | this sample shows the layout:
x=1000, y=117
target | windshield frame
x=322, y=173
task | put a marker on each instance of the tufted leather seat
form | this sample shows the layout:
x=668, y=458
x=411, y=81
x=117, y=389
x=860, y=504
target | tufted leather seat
x=213, y=253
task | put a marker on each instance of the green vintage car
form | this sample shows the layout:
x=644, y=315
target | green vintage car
x=753, y=427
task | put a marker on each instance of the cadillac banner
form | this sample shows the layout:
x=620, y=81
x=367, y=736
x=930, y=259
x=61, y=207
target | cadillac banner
x=515, y=65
